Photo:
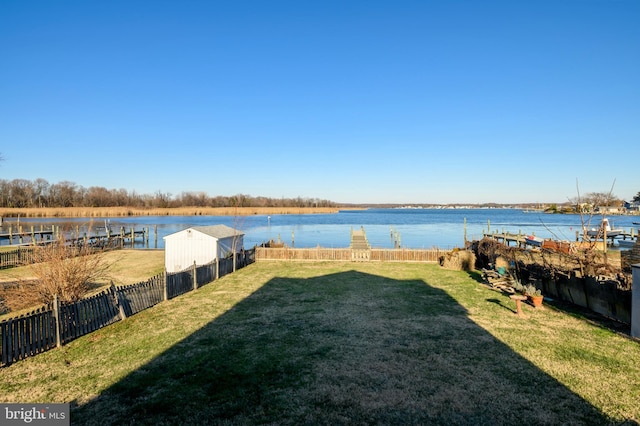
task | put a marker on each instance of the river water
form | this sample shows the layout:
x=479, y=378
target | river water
x=385, y=228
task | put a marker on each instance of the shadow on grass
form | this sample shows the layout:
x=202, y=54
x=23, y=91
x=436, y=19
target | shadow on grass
x=345, y=348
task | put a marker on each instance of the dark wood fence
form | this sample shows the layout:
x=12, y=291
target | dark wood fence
x=27, y=335
x=179, y=283
x=54, y=325
x=17, y=257
x=138, y=297
x=86, y=315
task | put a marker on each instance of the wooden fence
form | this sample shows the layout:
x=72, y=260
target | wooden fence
x=347, y=254
x=54, y=325
x=17, y=257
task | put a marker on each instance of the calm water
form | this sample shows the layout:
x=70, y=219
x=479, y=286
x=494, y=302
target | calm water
x=412, y=228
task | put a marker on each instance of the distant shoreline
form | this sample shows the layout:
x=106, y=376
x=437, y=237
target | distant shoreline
x=44, y=212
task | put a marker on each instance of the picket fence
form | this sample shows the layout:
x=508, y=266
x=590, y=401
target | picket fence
x=348, y=254
x=56, y=324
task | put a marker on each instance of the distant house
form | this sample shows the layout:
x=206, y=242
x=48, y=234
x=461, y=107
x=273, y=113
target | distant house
x=200, y=244
x=610, y=210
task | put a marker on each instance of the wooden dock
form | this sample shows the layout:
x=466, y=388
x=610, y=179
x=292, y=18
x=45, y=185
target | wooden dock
x=101, y=238
x=19, y=236
x=360, y=247
x=507, y=238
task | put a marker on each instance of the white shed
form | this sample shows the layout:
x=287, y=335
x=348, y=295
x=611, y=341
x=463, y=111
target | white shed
x=200, y=244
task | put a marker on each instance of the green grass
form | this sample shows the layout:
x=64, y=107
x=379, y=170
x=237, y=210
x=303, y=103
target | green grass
x=340, y=343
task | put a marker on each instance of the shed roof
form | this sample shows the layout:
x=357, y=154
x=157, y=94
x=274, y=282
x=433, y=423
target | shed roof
x=218, y=231
x=215, y=231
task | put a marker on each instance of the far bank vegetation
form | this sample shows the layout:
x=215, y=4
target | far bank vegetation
x=39, y=194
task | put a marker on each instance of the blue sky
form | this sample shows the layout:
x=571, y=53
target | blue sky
x=352, y=101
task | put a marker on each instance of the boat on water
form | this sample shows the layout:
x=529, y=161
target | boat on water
x=626, y=244
x=605, y=227
x=534, y=241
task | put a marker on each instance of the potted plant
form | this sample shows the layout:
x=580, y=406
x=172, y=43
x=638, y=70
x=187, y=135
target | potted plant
x=518, y=287
x=534, y=294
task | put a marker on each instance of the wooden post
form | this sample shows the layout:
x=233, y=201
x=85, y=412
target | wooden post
x=123, y=315
x=217, y=268
x=133, y=237
x=235, y=258
x=165, y=294
x=195, y=276
x=155, y=236
x=10, y=235
x=518, y=298
x=465, y=231
x=635, y=301
x=56, y=316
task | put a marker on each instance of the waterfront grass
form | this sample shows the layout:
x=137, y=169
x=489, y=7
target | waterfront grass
x=106, y=212
x=340, y=343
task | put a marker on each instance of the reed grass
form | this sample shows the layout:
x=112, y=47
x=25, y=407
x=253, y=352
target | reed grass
x=97, y=212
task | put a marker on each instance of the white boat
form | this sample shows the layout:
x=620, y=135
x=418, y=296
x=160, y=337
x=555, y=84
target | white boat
x=604, y=226
x=532, y=240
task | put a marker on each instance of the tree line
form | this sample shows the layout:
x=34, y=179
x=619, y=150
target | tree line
x=23, y=193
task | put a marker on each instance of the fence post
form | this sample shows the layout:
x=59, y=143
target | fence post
x=123, y=315
x=165, y=278
x=56, y=316
x=217, y=268
x=195, y=276
x=235, y=258
x=635, y=301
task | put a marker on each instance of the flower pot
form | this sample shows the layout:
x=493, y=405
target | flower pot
x=536, y=300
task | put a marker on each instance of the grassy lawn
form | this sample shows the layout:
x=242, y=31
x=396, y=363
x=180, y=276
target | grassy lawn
x=340, y=343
